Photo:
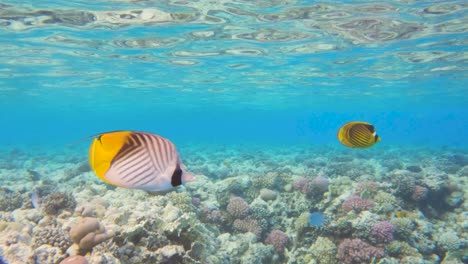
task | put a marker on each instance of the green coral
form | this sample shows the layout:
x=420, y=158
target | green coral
x=403, y=227
x=398, y=248
x=302, y=222
x=324, y=251
x=339, y=185
x=265, y=181
x=448, y=241
x=385, y=202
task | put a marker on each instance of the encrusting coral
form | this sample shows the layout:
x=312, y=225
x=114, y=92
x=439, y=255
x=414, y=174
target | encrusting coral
x=87, y=233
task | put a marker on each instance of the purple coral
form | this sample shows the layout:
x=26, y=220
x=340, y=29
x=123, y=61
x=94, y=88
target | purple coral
x=302, y=185
x=237, y=207
x=356, y=203
x=383, y=231
x=212, y=215
x=320, y=184
x=356, y=251
x=278, y=239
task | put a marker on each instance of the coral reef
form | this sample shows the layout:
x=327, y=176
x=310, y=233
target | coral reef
x=356, y=251
x=292, y=205
x=87, y=233
x=55, y=203
x=278, y=239
x=53, y=236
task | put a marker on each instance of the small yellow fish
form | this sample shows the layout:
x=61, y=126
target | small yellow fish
x=358, y=134
x=137, y=160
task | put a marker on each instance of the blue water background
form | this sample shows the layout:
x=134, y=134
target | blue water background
x=54, y=94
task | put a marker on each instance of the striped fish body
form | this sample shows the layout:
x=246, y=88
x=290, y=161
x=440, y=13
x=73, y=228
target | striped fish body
x=137, y=160
x=358, y=134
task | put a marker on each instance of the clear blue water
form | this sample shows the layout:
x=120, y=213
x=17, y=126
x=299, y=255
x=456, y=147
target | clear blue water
x=295, y=80
x=217, y=77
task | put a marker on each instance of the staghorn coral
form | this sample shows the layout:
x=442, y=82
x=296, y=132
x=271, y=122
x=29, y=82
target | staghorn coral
x=53, y=236
x=356, y=251
x=87, y=233
x=278, y=239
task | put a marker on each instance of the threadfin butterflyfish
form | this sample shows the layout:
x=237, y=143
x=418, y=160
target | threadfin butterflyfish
x=137, y=160
x=358, y=134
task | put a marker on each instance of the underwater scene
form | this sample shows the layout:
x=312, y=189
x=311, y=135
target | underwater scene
x=233, y=131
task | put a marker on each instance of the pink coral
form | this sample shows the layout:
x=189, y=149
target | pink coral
x=320, y=184
x=356, y=203
x=366, y=187
x=237, y=207
x=382, y=231
x=212, y=215
x=419, y=193
x=278, y=239
x=302, y=185
x=356, y=251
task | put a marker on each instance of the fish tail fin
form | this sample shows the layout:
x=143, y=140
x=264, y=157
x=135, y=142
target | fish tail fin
x=187, y=176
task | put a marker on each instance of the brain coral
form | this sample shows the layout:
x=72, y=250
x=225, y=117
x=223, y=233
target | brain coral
x=87, y=233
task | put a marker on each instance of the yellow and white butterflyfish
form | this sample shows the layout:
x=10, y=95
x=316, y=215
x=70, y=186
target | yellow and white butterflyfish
x=137, y=160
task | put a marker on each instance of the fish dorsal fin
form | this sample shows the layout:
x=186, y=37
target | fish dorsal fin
x=104, y=149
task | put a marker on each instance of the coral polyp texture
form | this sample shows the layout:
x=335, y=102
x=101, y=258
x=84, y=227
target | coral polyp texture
x=280, y=205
